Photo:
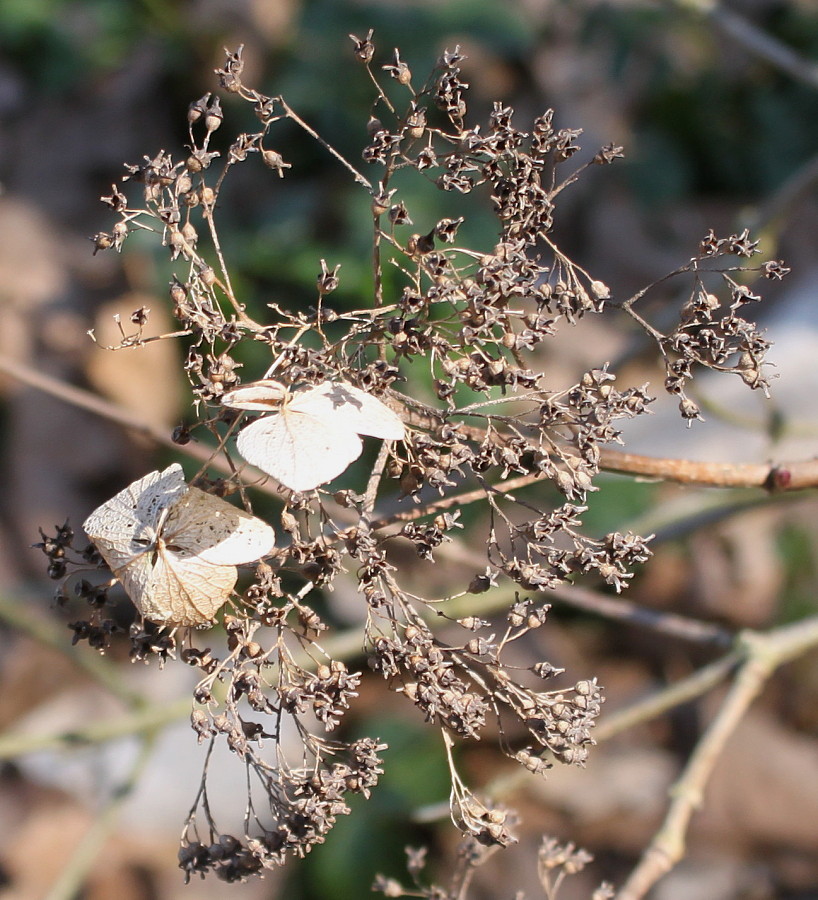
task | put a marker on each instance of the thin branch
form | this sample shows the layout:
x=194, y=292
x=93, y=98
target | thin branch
x=291, y=114
x=663, y=700
x=673, y=520
x=455, y=501
x=617, y=609
x=785, y=476
x=96, y=405
x=791, y=191
x=92, y=403
x=763, y=653
x=225, y=285
x=371, y=493
x=754, y=40
x=139, y=721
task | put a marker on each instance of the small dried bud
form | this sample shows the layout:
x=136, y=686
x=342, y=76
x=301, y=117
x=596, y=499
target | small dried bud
x=181, y=434
x=364, y=49
x=479, y=584
x=689, y=409
x=416, y=122
x=608, y=154
x=274, y=160
x=600, y=290
x=184, y=184
x=398, y=215
x=197, y=109
x=381, y=201
x=190, y=234
x=213, y=116
x=327, y=281
x=399, y=70
x=289, y=522
x=199, y=160
x=102, y=241
x=178, y=293
x=207, y=276
x=421, y=243
x=176, y=242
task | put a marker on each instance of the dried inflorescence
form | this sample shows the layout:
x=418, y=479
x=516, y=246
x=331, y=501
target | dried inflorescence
x=475, y=320
x=555, y=863
x=302, y=806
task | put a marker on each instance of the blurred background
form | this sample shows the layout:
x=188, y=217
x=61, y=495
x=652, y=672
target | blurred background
x=718, y=115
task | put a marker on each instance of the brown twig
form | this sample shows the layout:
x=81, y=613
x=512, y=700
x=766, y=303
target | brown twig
x=788, y=476
x=784, y=476
x=92, y=403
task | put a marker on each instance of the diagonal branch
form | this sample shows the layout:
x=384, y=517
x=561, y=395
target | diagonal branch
x=755, y=40
x=763, y=653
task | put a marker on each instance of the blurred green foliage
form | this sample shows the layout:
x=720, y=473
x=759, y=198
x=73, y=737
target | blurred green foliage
x=797, y=550
x=709, y=120
x=372, y=839
x=59, y=44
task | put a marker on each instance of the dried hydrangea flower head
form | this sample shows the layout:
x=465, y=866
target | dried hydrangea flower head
x=175, y=548
x=312, y=435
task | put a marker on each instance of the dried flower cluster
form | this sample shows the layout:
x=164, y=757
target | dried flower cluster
x=475, y=320
x=555, y=863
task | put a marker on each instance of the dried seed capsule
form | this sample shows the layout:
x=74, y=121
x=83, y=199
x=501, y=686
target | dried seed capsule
x=213, y=116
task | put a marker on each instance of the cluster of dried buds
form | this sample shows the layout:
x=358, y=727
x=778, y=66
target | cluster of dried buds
x=302, y=805
x=555, y=863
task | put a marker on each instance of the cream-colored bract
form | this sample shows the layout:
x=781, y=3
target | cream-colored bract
x=312, y=435
x=175, y=548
